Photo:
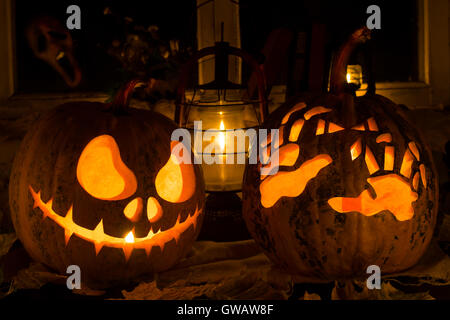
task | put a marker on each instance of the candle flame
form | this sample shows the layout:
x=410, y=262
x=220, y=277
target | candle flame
x=348, y=77
x=130, y=237
x=222, y=136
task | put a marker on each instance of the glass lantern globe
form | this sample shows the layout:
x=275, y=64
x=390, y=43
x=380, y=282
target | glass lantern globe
x=232, y=124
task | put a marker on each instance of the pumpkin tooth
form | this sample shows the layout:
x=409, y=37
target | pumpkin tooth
x=98, y=233
x=194, y=221
x=35, y=196
x=150, y=234
x=48, y=207
x=98, y=246
x=176, y=237
x=49, y=204
x=127, y=250
x=161, y=244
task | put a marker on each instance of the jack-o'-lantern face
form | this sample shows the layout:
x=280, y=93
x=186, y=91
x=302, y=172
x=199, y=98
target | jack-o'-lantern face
x=358, y=188
x=103, y=187
x=103, y=175
x=385, y=190
x=356, y=184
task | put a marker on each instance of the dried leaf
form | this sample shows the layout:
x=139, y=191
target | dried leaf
x=357, y=290
x=234, y=270
x=150, y=291
x=34, y=277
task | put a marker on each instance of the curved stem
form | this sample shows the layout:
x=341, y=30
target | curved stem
x=338, y=79
x=122, y=99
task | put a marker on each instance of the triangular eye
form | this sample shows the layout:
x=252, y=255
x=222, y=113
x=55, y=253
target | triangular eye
x=102, y=173
x=175, y=182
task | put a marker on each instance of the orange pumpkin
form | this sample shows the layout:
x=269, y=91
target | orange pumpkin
x=97, y=186
x=356, y=184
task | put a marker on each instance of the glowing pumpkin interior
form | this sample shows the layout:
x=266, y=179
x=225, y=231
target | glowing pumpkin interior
x=175, y=182
x=102, y=173
x=391, y=192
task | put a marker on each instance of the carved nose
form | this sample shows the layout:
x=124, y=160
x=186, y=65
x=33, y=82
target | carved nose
x=154, y=210
x=133, y=210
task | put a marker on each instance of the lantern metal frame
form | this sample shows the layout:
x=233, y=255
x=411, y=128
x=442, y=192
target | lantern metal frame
x=221, y=50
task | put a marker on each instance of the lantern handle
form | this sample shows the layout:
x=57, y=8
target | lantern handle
x=180, y=103
x=338, y=79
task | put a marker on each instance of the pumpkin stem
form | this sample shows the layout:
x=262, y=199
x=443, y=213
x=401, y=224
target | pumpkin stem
x=338, y=81
x=122, y=99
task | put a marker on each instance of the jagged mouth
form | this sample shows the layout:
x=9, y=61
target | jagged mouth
x=100, y=239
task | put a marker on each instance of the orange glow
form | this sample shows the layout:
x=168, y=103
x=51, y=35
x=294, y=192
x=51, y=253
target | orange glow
x=423, y=175
x=287, y=156
x=359, y=127
x=154, y=210
x=316, y=111
x=129, y=237
x=296, y=129
x=102, y=173
x=389, y=156
x=371, y=162
x=133, y=210
x=356, y=149
x=280, y=137
x=320, y=127
x=100, y=239
x=292, y=183
x=175, y=182
x=392, y=194
x=385, y=137
x=222, y=137
x=332, y=128
x=412, y=146
x=372, y=124
x=299, y=106
x=407, y=162
x=416, y=181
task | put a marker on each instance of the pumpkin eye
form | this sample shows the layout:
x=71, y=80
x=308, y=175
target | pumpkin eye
x=102, y=173
x=175, y=182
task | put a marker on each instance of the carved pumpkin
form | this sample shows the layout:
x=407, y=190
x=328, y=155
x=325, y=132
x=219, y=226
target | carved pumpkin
x=356, y=185
x=97, y=186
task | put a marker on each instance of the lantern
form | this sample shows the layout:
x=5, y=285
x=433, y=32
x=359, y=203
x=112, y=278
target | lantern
x=354, y=75
x=355, y=186
x=98, y=186
x=216, y=114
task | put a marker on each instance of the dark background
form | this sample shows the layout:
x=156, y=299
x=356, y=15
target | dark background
x=394, y=47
